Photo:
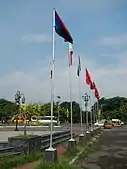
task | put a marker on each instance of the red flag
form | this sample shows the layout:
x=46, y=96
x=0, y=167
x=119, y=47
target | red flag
x=97, y=94
x=70, y=54
x=88, y=78
x=92, y=86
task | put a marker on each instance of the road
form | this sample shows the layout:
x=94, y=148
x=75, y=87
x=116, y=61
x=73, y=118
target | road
x=111, y=151
x=8, y=131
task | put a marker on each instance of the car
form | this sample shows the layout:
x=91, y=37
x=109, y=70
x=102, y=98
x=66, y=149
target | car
x=108, y=124
x=116, y=122
x=99, y=123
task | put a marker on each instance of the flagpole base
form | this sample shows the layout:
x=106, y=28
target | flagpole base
x=92, y=132
x=81, y=139
x=88, y=136
x=72, y=144
x=51, y=155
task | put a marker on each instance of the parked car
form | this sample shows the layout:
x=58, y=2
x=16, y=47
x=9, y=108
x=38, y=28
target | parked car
x=99, y=123
x=108, y=124
x=116, y=122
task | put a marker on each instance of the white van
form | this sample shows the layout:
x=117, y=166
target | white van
x=46, y=120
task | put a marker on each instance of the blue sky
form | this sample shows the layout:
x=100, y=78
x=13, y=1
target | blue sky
x=99, y=30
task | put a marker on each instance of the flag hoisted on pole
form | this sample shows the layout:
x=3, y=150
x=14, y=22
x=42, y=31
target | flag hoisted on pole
x=70, y=52
x=94, y=109
x=60, y=28
x=89, y=83
x=92, y=87
x=79, y=82
x=52, y=79
x=97, y=96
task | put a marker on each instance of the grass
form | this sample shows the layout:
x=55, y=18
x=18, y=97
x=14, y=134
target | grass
x=67, y=156
x=16, y=161
x=55, y=166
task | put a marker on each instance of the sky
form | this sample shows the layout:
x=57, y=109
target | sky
x=99, y=31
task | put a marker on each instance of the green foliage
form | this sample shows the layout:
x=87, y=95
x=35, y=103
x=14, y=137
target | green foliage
x=14, y=161
x=115, y=107
x=7, y=107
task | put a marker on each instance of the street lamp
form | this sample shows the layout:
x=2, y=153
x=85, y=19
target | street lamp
x=59, y=109
x=19, y=97
x=86, y=99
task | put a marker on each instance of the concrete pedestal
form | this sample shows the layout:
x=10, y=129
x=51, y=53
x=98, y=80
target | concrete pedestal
x=92, y=132
x=72, y=144
x=88, y=136
x=51, y=155
x=81, y=139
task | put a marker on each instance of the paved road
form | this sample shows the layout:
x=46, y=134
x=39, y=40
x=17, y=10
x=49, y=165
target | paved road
x=8, y=131
x=111, y=151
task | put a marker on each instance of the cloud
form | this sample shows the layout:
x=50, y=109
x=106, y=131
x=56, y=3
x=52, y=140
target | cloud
x=35, y=83
x=115, y=40
x=37, y=38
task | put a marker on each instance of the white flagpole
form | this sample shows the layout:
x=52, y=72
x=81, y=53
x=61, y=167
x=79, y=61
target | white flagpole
x=91, y=117
x=79, y=82
x=70, y=86
x=52, y=80
x=94, y=118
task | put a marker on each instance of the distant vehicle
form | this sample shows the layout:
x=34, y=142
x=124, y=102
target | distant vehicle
x=100, y=123
x=34, y=118
x=122, y=123
x=116, y=122
x=108, y=124
x=46, y=120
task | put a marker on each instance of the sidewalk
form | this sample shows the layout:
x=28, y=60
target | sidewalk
x=111, y=151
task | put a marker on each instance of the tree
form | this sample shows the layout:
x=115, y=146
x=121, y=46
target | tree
x=7, y=108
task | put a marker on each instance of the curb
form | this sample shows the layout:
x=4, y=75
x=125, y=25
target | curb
x=91, y=142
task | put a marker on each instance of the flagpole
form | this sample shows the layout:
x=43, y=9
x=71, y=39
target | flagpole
x=70, y=87
x=52, y=79
x=94, y=119
x=79, y=81
x=91, y=117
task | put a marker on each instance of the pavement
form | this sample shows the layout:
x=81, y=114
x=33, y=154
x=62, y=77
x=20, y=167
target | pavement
x=8, y=131
x=111, y=151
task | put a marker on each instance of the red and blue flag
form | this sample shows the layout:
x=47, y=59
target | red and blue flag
x=61, y=29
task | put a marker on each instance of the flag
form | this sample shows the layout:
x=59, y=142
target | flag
x=51, y=71
x=92, y=86
x=70, y=54
x=61, y=29
x=58, y=97
x=97, y=94
x=88, y=78
x=79, y=66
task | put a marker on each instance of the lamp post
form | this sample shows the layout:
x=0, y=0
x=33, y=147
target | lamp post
x=59, y=110
x=18, y=99
x=86, y=99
